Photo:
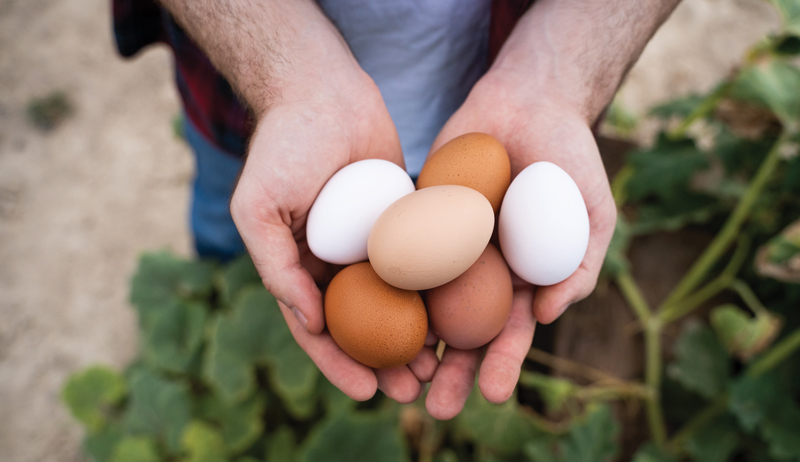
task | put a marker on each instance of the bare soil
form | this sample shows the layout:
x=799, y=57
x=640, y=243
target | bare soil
x=80, y=202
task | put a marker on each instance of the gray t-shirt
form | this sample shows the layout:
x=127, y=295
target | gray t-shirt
x=424, y=55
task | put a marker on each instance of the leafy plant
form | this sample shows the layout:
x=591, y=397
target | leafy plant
x=219, y=377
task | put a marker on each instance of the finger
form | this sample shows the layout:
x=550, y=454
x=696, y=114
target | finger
x=354, y=379
x=504, y=356
x=452, y=383
x=275, y=254
x=551, y=301
x=431, y=339
x=424, y=365
x=399, y=384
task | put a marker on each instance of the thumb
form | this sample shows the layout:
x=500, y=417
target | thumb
x=272, y=247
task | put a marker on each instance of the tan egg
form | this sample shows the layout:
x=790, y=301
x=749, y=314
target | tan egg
x=430, y=237
x=474, y=160
x=376, y=324
x=471, y=310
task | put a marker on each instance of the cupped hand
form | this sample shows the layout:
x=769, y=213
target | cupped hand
x=533, y=126
x=296, y=147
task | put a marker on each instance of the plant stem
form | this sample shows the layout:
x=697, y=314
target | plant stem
x=618, y=190
x=775, y=355
x=632, y=294
x=652, y=337
x=606, y=393
x=701, y=111
x=687, y=305
x=653, y=366
x=699, y=421
x=731, y=228
x=748, y=297
x=570, y=367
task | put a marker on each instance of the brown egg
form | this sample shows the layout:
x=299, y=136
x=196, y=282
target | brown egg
x=430, y=237
x=474, y=160
x=471, y=310
x=376, y=324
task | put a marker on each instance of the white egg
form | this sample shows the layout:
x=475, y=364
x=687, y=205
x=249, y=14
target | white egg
x=342, y=216
x=543, y=225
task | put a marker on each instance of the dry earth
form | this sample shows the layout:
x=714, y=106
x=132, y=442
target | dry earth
x=79, y=203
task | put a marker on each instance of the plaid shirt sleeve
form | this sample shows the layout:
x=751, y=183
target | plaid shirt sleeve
x=208, y=99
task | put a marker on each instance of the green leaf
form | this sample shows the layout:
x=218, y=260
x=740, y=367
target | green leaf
x=740, y=154
x=790, y=13
x=163, y=277
x=665, y=169
x=100, y=446
x=554, y=391
x=237, y=275
x=158, y=408
x=448, y=455
x=173, y=339
x=594, y=439
x=715, y=442
x=240, y=423
x=90, y=394
x=701, y=363
x=281, y=445
x=680, y=107
x=136, y=449
x=348, y=436
x=203, y=443
x=503, y=428
x=255, y=333
x=649, y=452
x=774, y=84
x=616, y=260
x=679, y=210
x=753, y=398
x=333, y=398
x=541, y=450
x=743, y=335
x=780, y=431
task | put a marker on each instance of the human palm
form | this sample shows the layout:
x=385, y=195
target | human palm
x=532, y=128
x=295, y=149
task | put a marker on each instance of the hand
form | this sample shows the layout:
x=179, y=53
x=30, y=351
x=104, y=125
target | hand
x=296, y=147
x=533, y=126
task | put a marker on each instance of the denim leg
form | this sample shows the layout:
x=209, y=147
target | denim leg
x=215, y=235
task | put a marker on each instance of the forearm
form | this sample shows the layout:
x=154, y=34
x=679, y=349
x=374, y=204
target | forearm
x=578, y=52
x=272, y=51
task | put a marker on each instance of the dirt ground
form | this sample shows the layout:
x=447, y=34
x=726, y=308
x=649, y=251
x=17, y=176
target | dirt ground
x=79, y=203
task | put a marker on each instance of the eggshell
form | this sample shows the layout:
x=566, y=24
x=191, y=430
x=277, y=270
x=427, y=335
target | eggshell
x=342, y=216
x=472, y=309
x=376, y=324
x=430, y=237
x=543, y=225
x=474, y=160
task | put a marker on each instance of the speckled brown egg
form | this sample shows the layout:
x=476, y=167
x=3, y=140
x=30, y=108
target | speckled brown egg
x=375, y=323
x=474, y=160
x=471, y=310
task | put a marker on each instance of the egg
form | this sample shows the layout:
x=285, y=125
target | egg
x=376, y=324
x=430, y=237
x=344, y=211
x=469, y=311
x=543, y=225
x=474, y=160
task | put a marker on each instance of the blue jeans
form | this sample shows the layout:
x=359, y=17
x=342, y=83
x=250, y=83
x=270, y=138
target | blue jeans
x=215, y=235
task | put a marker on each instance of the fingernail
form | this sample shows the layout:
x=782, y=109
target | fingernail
x=300, y=317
